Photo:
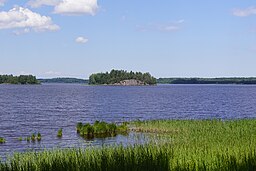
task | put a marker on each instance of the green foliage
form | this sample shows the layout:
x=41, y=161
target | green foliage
x=39, y=137
x=32, y=138
x=206, y=144
x=235, y=80
x=22, y=79
x=2, y=140
x=176, y=145
x=100, y=129
x=59, y=134
x=115, y=76
x=64, y=80
x=131, y=158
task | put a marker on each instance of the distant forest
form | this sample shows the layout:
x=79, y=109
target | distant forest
x=235, y=80
x=64, y=80
x=115, y=76
x=22, y=79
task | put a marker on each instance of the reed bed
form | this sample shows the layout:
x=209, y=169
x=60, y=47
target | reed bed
x=177, y=145
x=206, y=144
x=100, y=129
x=132, y=158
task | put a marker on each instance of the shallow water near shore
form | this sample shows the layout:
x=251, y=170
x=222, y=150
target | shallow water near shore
x=27, y=109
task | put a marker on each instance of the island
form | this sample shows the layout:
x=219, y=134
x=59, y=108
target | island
x=22, y=79
x=122, y=78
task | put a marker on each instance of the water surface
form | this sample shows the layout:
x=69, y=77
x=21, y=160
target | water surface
x=25, y=109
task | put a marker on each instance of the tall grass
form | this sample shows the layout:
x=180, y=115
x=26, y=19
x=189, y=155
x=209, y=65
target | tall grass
x=100, y=129
x=132, y=158
x=174, y=145
x=209, y=144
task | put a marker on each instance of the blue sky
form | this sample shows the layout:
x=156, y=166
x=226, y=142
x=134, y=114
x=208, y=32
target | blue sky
x=74, y=38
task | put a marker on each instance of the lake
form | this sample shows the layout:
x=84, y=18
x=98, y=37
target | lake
x=27, y=109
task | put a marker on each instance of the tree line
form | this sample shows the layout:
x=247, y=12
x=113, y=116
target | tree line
x=115, y=76
x=64, y=80
x=234, y=80
x=22, y=79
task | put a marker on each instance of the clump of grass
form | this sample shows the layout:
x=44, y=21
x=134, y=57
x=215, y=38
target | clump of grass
x=100, y=129
x=28, y=138
x=39, y=137
x=2, y=140
x=32, y=138
x=59, y=134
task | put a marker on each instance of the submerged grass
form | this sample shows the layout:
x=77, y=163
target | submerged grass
x=179, y=145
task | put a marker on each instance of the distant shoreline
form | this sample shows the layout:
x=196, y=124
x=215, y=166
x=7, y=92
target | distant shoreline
x=221, y=80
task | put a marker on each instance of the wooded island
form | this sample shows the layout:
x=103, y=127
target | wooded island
x=22, y=79
x=122, y=77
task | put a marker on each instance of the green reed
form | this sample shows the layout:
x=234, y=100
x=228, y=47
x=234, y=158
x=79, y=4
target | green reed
x=209, y=144
x=59, y=133
x=2, y=140
x=138, y=157
x=100, y=129
x=173, y=145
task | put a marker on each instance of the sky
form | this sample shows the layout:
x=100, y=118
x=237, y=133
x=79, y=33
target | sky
x=168, y=38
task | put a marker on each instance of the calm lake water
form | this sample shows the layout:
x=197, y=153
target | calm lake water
x=25, y=109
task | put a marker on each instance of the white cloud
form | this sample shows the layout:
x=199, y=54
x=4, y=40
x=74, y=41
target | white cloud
x=24, y=73
x=2, y=2
x=244, y=12
x=39, y=3
x=76, y=7
x=68, y=7
x=163, y=27
x=52, y=73
x=19, y=17
x=81, y=40
x=169, y=28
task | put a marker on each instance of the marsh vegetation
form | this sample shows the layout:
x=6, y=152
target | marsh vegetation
x=100, y=129
x=174, y=145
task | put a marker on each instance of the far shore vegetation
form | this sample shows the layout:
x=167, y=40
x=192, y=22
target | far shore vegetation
x=64, y=80
x=116, y=76
x=226, y=145
x=224, y=80
x=22, y=79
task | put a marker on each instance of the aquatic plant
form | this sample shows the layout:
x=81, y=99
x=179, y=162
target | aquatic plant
x=173, y=145
x=100, y=129
x=79, y=126
x=39, y=137
x=2, y=140
x=33, y=137
x=28, y=138
x=20, y=139
x=59, y=134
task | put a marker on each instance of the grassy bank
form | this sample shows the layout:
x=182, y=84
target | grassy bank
x=211, y=144
x=174, y=145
